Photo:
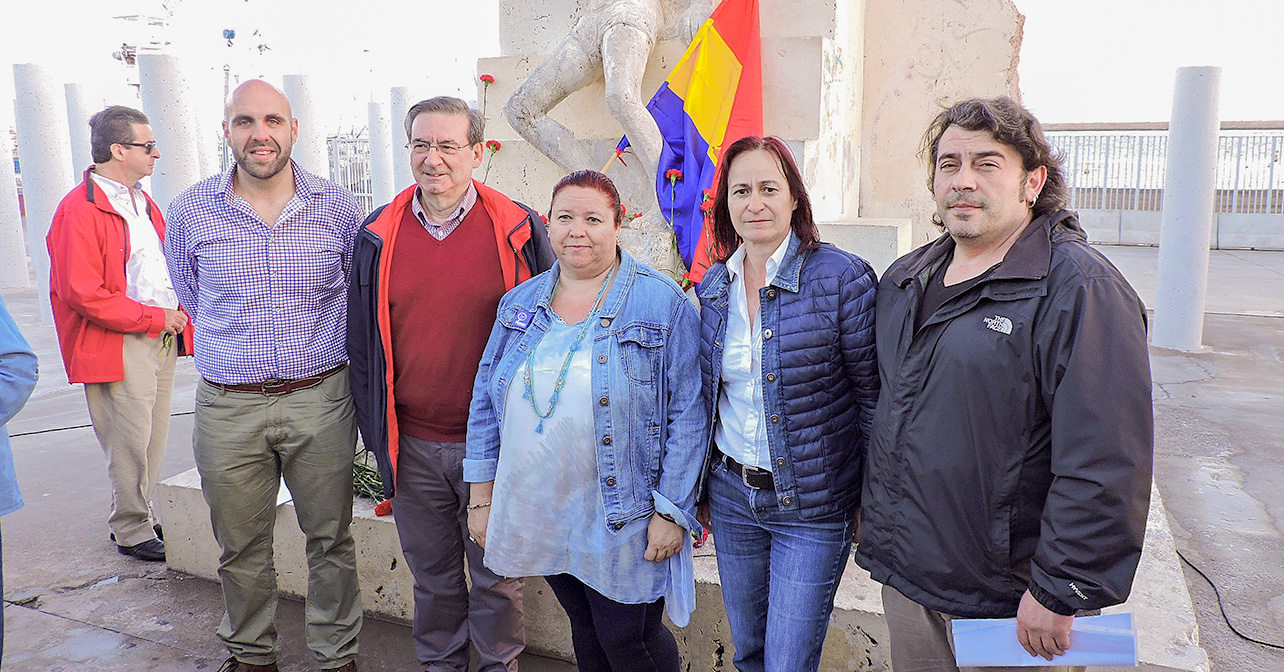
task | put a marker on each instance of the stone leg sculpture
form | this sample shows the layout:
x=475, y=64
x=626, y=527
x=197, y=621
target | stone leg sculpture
x=614, y=40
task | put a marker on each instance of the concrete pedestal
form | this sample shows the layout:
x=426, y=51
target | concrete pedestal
x=402, y=100
x=14, y=271
x=47, y=173
x=381, y=184
x=1168, y=639
x=166, y=102
x=309, y=150
x=81, y=105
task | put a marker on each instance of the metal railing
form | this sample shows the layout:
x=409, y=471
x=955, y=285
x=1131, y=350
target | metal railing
x=1125, y=170
x=350, y=167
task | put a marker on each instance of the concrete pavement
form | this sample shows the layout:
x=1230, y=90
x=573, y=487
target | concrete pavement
x=73, y=603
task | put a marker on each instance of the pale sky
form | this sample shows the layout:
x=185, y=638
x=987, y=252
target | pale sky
x=1082, y=60
x=1115, y=60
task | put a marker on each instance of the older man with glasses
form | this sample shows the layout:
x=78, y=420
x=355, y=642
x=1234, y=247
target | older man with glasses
x=427, y=273
x=118, y=319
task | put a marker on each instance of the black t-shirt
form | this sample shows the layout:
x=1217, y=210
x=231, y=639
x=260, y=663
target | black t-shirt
x=937, y=294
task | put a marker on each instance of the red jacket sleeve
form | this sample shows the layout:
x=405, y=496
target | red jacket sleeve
x=78, y=257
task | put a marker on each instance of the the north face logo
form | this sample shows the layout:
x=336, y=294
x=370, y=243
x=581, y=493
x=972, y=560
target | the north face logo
x=999, y=323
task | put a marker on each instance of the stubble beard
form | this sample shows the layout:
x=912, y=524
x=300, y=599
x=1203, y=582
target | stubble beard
x=260, y=170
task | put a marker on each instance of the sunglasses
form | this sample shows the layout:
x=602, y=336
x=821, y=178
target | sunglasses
x=148, y=147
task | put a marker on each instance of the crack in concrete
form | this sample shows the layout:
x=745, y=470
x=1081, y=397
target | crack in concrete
x=91, y=583
x=194, y=654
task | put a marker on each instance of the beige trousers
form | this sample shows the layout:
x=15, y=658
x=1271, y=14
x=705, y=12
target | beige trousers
x=920, y=639
x=131, y=420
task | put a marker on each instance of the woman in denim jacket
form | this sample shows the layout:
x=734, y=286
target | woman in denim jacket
x=787, y=357
x=586, y=434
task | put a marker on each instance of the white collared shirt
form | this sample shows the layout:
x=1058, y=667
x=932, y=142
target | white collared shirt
x=740, y=432
x=146, y=275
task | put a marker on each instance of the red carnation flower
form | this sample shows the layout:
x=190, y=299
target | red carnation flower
x=493, y=145
x=488, y=79
x=673, y=175
x=707, y=206
x=383, y=508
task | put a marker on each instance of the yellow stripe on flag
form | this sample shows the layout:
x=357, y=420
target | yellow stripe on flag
x=706, y=79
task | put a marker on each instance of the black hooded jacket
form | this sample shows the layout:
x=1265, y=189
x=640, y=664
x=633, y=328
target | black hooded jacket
x=1013, y=435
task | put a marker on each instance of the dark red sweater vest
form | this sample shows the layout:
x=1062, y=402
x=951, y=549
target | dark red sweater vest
x=442, y=298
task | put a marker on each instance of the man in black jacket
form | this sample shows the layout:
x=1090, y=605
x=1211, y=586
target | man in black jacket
x=1009, y=468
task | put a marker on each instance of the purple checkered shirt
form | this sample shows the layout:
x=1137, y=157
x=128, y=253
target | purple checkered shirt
x=267, y=302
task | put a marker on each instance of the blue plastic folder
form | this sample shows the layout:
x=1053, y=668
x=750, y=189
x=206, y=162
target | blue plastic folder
x=1094, y=640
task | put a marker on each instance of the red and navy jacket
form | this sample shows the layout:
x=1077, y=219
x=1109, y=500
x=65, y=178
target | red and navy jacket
x=524, y=252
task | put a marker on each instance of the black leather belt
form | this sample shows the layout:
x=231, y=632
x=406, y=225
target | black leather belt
x=279, y=385
x=753, y=477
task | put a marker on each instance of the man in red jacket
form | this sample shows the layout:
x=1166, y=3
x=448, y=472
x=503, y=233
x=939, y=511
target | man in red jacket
x=119, y=324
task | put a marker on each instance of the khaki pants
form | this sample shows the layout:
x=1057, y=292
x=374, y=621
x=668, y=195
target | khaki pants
x=131, y=420
x=245, y=443
x=920, y=639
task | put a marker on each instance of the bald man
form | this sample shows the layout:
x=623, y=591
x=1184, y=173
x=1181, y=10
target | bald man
x=260, y=257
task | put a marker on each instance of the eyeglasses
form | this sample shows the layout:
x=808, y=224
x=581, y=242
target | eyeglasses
x=419, y=147
x=148, y=147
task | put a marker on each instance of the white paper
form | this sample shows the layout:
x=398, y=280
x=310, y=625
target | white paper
x=1094, y=640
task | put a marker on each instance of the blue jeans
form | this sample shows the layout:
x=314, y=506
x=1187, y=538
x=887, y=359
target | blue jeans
x=779, y=575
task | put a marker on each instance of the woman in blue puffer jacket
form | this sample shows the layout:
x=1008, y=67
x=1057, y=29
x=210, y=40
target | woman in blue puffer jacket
x=789, y=376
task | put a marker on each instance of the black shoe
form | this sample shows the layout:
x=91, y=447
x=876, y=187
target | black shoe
x=151, y=550
x=160, y=534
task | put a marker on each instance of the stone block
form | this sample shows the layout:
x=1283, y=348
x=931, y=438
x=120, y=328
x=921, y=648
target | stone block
x=1249, y=231
x=878, y=241
x=919, y=56
x=1139, y=227
x=1102, y=226
x=189, y=540
x=782, y=18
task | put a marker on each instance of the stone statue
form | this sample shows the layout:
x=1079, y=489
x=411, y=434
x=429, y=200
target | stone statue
x=614, y=39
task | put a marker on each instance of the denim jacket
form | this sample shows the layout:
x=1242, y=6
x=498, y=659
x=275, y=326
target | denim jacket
x=18, y=371
x=820, y=382
x=650, y=427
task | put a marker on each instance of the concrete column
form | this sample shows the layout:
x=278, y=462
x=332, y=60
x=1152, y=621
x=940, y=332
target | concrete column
x=401, y=102
x=13, y=249
x=309, y=150
x=1186, y=222
x=81, y=105
x=45, y=151
x=381, y=184
x=166, y=104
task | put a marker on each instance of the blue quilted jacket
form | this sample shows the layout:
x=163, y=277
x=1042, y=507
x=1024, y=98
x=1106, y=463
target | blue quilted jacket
x=820, y=380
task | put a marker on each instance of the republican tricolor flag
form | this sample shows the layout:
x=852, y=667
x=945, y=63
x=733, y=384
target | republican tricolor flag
x=712, y=98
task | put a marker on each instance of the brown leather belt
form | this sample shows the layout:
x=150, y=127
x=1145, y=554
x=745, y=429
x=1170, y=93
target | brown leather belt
x=279, y=385
x=753, y=477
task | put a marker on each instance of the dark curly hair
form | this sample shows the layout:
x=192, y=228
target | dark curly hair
x=1012, y=125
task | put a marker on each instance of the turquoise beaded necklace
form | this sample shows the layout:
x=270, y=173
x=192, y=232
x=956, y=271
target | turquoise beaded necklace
x=529, y=393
